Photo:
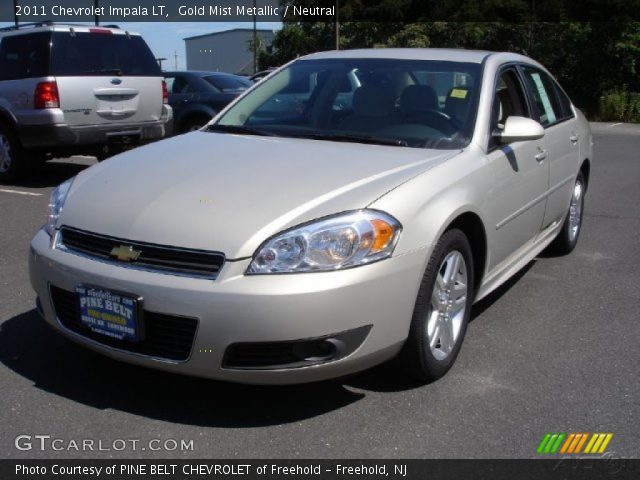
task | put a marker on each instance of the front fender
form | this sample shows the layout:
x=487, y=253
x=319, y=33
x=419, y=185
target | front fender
x=429, y=203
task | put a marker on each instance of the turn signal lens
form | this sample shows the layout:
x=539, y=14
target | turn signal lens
x=383, y=234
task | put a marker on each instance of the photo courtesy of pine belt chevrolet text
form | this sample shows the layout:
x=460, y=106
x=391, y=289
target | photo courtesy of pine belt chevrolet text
x=347, y=210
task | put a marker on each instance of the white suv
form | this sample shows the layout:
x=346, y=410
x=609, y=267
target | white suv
x=71, y=89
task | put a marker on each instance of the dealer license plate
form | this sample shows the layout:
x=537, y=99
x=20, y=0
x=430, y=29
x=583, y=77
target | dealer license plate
x=110, y=313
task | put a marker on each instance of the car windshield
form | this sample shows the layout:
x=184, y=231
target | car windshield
x=415, y=103
x=228, y=83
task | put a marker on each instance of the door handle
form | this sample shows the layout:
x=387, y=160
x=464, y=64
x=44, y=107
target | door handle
x=541, y=155
x=574, y=138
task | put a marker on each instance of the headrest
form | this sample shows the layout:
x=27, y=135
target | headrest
x=372, y=101
x=416, y=98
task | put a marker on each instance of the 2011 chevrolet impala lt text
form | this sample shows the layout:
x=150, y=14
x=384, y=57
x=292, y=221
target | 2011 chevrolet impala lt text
x=347, y=210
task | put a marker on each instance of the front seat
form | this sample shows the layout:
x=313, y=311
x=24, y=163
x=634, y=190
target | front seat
x=418, y=98
x=372, y=107
x=419, y=104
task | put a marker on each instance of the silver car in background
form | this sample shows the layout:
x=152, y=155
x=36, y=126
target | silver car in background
x=360, y=223
x=76, y=90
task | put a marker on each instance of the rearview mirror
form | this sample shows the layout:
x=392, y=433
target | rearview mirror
x=518, y=129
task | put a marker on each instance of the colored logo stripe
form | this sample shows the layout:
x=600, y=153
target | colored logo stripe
x=551, y=442
x=573, y=443
x=598, y=443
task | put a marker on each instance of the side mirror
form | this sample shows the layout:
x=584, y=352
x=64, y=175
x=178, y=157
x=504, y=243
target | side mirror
x=518, y=129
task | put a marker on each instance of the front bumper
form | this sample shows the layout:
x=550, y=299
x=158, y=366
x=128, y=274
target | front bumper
x=236, y=308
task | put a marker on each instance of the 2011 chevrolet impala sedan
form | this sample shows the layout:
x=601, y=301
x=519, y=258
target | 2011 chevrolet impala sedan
x=347, y=210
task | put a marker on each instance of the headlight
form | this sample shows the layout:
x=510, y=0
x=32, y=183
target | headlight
x=342, y=241
x=56, y=202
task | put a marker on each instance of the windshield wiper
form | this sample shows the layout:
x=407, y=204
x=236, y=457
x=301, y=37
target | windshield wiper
x=240, y=129
x=112, y=71
x=341, y=137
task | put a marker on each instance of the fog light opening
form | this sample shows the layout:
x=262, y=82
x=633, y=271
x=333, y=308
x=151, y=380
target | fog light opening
x=319, y=350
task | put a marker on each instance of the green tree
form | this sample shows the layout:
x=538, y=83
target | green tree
x=591, y=57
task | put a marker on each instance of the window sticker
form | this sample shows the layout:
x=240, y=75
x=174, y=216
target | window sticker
x=550, y=115
x=458, y=93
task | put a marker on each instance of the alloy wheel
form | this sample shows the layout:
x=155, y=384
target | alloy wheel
x=447, y=306
x=575, y=210
x=5, y=154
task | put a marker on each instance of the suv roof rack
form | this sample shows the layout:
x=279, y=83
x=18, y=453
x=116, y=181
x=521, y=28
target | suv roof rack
x=26, y=25
x=50, y=23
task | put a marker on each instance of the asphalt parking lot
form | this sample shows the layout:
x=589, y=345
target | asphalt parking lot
x=555, y=350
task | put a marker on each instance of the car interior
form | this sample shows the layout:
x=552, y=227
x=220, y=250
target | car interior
x=423, y=108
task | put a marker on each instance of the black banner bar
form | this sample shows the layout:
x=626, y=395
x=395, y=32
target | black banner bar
x=402, y=11
x=548, y=469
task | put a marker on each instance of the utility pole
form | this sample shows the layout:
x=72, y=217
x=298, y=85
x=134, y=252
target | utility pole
x=175, y=58
x=255, y=40
x=97, y=17
x=337, y=24
x=15, y=10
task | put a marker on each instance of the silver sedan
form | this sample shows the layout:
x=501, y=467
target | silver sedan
x=345, y=211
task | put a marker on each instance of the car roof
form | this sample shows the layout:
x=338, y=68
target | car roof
x=435, y=54
x=201, y=73
x=28, y=28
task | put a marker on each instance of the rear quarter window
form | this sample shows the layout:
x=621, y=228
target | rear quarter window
x=84, y=54
x=565, y=103
x=228, y=84
x=24, y=56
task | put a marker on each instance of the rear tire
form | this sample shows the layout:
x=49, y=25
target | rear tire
x=442, y=310
x=12, y=156
x=107, y=151
x=567, y=238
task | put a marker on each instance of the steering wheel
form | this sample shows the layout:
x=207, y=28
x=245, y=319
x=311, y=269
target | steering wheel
x=435, y=119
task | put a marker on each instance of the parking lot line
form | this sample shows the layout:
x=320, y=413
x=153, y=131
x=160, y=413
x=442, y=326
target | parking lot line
x=614, y=124
x=20, y=192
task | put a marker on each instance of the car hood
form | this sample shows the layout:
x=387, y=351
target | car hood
x=229, y=193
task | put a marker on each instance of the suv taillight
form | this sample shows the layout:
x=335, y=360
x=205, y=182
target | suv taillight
x=165, y=93
x=46, y=95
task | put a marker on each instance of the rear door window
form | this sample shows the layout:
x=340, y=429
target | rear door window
x=179, y=85
x=81, y=54
x=24, y=56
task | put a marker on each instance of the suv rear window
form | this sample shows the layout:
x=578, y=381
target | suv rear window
x=101, y=54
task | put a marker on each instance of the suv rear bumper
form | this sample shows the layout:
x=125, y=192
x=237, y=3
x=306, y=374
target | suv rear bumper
x=60, y=136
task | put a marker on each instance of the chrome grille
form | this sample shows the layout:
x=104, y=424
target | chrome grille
x=164, y=259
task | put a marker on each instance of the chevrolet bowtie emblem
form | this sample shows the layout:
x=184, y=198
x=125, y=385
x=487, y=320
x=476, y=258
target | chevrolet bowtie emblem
x=125, y=253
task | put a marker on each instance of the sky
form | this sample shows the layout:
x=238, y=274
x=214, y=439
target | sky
x=166, y=38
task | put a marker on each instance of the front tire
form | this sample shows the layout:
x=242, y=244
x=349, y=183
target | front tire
x=567, y=239
x=442, y=310
x=194, y=123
